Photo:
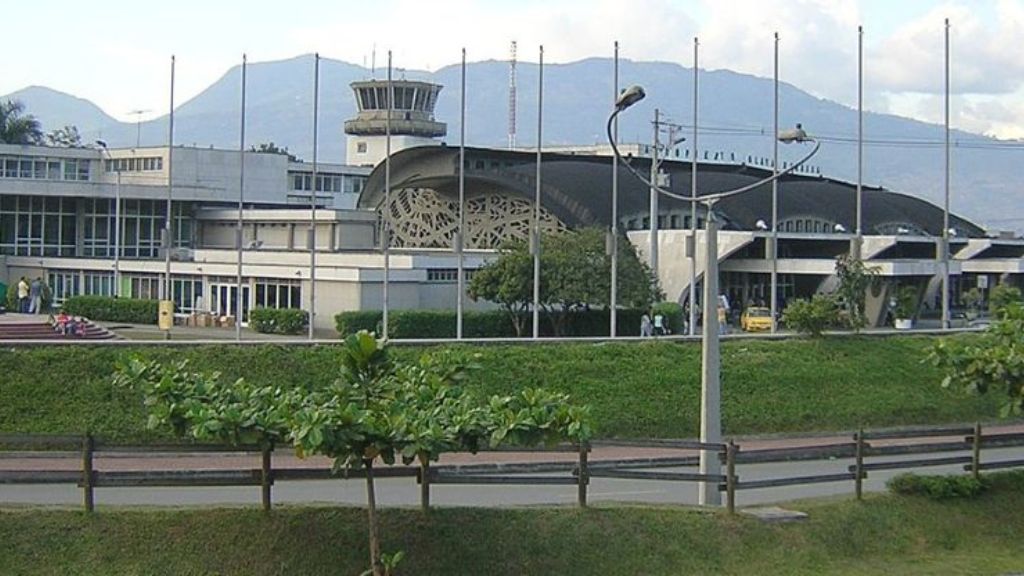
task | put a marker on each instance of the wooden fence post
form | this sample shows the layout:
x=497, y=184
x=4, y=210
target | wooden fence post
x=266, y=476
x=730, y=477
x=976, y=452
x=859, y=465
x=88, y=446
x=425, y=485
x=583, y=477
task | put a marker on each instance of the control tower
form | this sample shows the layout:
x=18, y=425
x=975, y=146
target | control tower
x=412, y=119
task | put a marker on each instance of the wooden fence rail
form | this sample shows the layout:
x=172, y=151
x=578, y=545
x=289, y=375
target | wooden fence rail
x=870, y=450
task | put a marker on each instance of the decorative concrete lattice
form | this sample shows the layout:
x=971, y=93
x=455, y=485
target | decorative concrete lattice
x=421, y=218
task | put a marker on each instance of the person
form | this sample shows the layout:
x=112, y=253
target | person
x=646, y=329
x=35, y=294
x=659, y=324
x=23, y=290
x=60, y=323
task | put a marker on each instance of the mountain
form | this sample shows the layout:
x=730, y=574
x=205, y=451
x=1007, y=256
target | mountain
x=736, y=110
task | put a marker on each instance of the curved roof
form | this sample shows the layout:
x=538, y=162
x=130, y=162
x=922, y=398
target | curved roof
x=577, y=189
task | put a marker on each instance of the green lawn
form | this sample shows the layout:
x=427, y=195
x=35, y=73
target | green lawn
x=636, y=389
x=885, y=534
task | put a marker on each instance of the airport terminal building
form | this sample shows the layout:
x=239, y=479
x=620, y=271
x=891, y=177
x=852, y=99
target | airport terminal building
x=90, y=221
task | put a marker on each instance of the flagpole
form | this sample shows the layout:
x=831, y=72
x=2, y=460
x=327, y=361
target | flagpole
x=536, y=212
x=775, y=198
x=312, y=196
x=945, y=206
x=241, y=199
x=386, y=223
x=460, y=235
x=613, y=231
x=692, y=248
x=168, y=289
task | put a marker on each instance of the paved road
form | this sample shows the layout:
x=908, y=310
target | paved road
x=405, y=491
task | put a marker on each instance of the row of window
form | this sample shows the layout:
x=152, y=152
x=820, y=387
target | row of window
x=39, y=168
x=147, y=164
x=448, y=274
x=327, y=182
x=665, y=221
x=32, y=226
x=406, y=98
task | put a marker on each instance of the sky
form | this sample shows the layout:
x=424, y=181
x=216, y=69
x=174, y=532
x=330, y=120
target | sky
x=116, y=53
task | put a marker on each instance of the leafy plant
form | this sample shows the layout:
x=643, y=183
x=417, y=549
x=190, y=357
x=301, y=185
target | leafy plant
x=131, y=310
x=812, y=316
x=1002, y=296
x=906, y=302
x=938, y=487
x=995, y=360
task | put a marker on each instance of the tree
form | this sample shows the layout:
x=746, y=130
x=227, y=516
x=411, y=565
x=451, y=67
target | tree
x=575, y=275
x=16, y=127
x=271, y=148
x=992, y=361
x=508, y=282
x=854, y=279
x=66, y=137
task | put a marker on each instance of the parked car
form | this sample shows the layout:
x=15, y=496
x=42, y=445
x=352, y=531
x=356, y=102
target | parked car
x=756, y=319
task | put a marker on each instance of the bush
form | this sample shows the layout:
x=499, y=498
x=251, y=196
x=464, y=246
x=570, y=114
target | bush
x=110, y=309
x=479, y=324
x=1002, y=296
x=938, y=487
x=278, y=320
x=812, y=316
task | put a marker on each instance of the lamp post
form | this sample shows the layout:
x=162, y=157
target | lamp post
x=710, y=420
x=117, y=218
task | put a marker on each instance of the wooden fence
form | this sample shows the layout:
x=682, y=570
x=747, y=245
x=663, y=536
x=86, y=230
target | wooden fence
x=869, y=450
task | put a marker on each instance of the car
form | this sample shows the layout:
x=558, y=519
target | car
x=756, y=319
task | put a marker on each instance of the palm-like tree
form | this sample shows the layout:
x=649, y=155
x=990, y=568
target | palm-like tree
x=17, y=127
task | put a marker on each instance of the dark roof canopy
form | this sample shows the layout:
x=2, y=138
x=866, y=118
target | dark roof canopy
x=577, y=189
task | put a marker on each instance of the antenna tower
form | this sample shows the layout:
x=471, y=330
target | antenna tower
x=512, y=97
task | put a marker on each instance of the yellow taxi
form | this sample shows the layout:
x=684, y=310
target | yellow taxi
x=756, y=319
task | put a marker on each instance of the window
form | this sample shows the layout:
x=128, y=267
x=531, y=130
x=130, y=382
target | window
x=63, y=285
x=98, y=284
x=37, y=226
x=146, y=287
x=188, y=292
x=277, y=293
x=447, y=275
x=145, y=164
x=360, y=147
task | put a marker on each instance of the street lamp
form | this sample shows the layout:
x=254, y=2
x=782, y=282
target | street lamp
x=710, y=398
x=117, y=218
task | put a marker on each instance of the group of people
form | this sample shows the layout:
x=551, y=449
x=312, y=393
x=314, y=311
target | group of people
x=30, y=295
x=650, y=328
x=68, y=325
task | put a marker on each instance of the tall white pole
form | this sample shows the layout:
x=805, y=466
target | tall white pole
x=710, y=384
x=312, y=196
x=117, y=233
x=460, y=235
x=168, y=289
x=536, y=207
x=860, y=140
x=241, y=200
x=945, y=206
x=775, y=197
x=654, y=195
x=386, y=222
x=613, y=230
x=692, y=249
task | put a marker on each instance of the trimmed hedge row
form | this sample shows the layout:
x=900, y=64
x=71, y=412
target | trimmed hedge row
x=278, y=320
x=110, y=309
x=488, y=324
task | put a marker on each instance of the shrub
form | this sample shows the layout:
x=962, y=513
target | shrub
x=906, y=302
x=673, y=314
x=1002, y=296
x=279, y=320
x=110, y=309
x=938, y=487
x=479, y=324
x=812, y=316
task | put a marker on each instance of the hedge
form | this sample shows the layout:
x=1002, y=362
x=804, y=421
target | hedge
x=938, y=487
x=479, y=324
x=110, y=309
x=278, y=320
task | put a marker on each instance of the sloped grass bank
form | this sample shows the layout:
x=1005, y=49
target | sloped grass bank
x=636, y=389
x=885, y=534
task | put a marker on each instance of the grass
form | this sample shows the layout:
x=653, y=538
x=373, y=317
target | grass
x=636, y=389
x=884, y=534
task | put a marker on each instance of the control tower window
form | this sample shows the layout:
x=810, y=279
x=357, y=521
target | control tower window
x=361, y=147
x=421, y=99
